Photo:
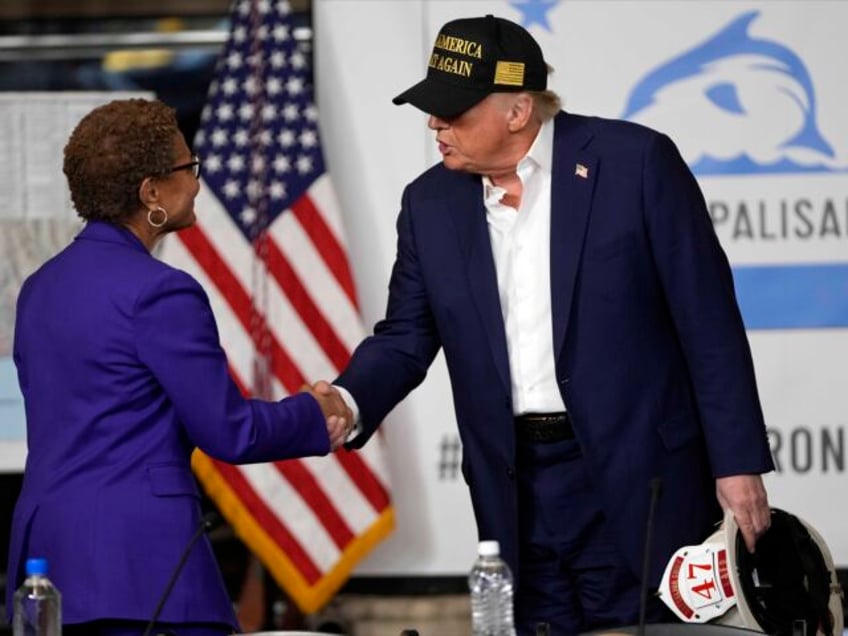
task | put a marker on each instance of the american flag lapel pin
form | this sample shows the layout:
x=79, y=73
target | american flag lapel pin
x=581, y=171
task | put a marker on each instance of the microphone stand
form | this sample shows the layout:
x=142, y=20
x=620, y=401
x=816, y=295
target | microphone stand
x=656, y=490
x=209, y=520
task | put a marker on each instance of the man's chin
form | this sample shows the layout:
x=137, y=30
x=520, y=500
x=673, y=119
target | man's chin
x=450, y=163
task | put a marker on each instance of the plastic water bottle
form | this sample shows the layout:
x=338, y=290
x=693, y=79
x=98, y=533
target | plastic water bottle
x=490, y=583
x=37, y=603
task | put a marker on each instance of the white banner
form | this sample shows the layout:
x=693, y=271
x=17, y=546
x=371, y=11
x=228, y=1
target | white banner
x=753, y=94
x=36, y=221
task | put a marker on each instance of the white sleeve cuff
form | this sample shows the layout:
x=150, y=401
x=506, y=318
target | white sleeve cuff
x=351, y=404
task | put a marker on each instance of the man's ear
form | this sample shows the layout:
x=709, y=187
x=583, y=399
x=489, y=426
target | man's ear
x=520, y=112
x=148, y=193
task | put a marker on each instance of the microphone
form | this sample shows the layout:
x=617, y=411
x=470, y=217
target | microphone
x=656, y=491
x=209, y=520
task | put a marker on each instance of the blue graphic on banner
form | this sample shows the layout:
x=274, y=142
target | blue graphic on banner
x=745, y=165
x=793, y=297
x=534, y=12
x=726, y=76
x=732, y=82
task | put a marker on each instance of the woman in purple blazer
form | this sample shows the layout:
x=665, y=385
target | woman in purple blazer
x=123, y=377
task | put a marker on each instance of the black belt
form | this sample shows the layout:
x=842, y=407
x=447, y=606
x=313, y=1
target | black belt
x=543, y=428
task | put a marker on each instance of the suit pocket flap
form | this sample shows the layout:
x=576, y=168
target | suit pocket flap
x=169, y=481
x=678, y=431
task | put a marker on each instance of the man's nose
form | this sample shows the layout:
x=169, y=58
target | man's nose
x=436, y=123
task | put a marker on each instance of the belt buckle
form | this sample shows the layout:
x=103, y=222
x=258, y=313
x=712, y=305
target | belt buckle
x=544, y=428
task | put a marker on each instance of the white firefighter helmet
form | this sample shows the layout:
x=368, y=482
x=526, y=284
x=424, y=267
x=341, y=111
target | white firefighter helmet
x=788, y=584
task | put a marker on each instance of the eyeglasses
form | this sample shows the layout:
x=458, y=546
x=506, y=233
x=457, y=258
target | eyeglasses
x=194, y=164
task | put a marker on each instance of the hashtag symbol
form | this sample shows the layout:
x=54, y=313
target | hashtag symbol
x=449, y=456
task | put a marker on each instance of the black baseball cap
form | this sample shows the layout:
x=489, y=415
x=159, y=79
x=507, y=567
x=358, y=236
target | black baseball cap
x=472, y=58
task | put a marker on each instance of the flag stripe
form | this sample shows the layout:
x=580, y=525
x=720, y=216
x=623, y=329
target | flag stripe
x=304, y=482
x=368, y=484
x=299, y=296
x=239, y=301
x=268, y=520
x=329, y=248
x=323, y=196
x=325, y=290
x=343, y=491
x=301, y=521
x=282, y=318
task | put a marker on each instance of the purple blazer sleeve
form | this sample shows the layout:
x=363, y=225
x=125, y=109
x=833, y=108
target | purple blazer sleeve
x=177, y=339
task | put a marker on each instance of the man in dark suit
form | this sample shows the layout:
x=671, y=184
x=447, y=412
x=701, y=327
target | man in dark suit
x=568, y=267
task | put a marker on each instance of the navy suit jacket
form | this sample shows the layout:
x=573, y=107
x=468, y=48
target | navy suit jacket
x=651, y=354
x=123, y=376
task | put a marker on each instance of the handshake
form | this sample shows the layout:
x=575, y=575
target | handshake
x=339, y=417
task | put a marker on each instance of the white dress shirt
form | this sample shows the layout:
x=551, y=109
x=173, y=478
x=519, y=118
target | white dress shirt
x=521, y=246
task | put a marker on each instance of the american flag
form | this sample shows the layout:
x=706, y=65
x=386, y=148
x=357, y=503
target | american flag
x=269, y=249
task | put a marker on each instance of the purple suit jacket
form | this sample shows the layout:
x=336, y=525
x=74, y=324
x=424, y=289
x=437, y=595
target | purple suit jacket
x=123, y=377
x=651, y=354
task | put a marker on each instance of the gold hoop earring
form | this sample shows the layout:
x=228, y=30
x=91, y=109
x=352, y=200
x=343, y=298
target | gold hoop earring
x=164, y=216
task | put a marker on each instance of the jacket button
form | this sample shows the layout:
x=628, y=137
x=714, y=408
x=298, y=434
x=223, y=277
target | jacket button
x=510, y=473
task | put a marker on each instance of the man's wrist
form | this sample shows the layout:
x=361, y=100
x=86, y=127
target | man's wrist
x=356, y=429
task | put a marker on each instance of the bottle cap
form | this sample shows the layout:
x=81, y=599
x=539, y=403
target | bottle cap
x=36, y=566
x=489, y=548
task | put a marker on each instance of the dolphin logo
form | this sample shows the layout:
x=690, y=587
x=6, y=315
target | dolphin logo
x=736, y=104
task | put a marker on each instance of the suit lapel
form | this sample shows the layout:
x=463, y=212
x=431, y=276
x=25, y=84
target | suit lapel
x=468, y=214
x=574, y=173
x=573, y=178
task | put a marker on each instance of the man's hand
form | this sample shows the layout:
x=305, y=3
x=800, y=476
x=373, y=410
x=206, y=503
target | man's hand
x=745, y=496
x=338, y=415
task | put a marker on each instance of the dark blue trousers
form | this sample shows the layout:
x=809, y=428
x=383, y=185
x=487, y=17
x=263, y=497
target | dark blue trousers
x=571, y=573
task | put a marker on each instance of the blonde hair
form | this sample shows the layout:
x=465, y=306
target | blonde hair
x=546, y=104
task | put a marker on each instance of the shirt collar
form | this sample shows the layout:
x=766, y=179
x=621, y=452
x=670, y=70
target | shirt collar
x=540, y=154
x=542, y=150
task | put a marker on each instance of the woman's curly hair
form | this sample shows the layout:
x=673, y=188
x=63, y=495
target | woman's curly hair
x=112, y=150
